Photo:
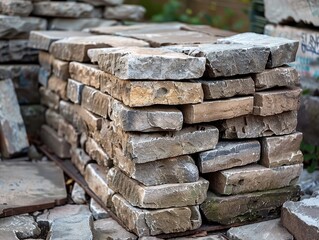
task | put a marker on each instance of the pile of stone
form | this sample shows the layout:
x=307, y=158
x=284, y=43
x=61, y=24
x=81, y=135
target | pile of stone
x=139, y=120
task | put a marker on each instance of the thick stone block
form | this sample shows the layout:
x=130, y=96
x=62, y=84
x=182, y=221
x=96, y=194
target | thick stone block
x=281, y=150
x=74, y=91
x=104, y=2
x=80, y=159
x=60, y=69
x=46, y=60
x=69, y=133
x=52, y=118
x=282, y=50
x=273, y=102
x=251, y=126
x=228, y=155
x=125, y=12
x=95, y=151
x=155, y=197
x=87, y=74
x=70, y=112
x=218, y=110
x=253, y=178
x=58, y=86
x=16, y=7
x=249, y=207
x=17, y=50
x=49, y=98
x=69, y=24
x=149, y=63
x=91, y=121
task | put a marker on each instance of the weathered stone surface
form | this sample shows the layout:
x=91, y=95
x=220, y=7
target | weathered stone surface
x=143, y=63
x=13, y=136
x=208, y=237
x=78, y=194
x=309, y=183
x=52, y=118
x=75, y=48
x=225, y=88
x=23, y=226
x=253, y=178
x=33, y=117
x=58, y=86
x=97, y=153
x=97, y=211
x=251, y=126
x=68, y=24
x=95, y=176
x=148, y=119
x=70, y=112
x=104, y=2
x=74, y=91
x=43, y=77
x=57, y=144
x=282, y=50
x=218, y=110
x=273, y=102
x=249, y=207
x=276, y=77
x=125, y=12
x=271, y=229
x=228, y=155
x=80, y=159
x=301, y=218
x=161, y=196
x=67, y=9
x=95, y=101
x=149, y=222
x=43, y=39
x=16, y=7
x=60, y=69
x=87, y=74
x=8, y=235
x=14, y=26
x=46, y=60
x=111, y=230
x=69, y=133
x=17, y=50
x=281, y=150
x=181, y=169
x=91, y=121
x=49, y=98
x=240, y=58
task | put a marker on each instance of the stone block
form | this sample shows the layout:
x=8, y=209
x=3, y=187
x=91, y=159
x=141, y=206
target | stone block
x=74, y=91
x=60, y=69
x=144, y=63
x=97, y=153
x=33, y=117
x=58, y=86
x=217, y=110
x=78, y=194
x=282, y=50
x=71, y=113
x=253, y=178
x=49, y=98
x=251, y=126
x=69, y=133
x=229, y=154
x=91, y=121
x=52, y=118
x=80, y=159
x=13, y=136
x=98, y=212
x=249, y=207
x=156, y=197
x=273, y=102
x=69, y=24
x=46, y=60
x=43, y=77
x=87, y=74
x=16, y=7
x=281, y=150
x=125, y=12
x=17, y=50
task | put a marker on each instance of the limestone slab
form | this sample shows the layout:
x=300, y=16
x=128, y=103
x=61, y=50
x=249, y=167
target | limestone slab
x=17, y=50
x=49, y=98
x=149, y=63
x=281, y=150
x=282, y=50
x=60, y=69
x=125, y=12
x=229, y=154
x=16, y=7
x=251, y=126
x=80, y=159
x=97, y=211
x=268, y=103
x=253, y=178
x=95, y=101
x=58, y=86
x=87, y=74
x=97, y=153
x=74, y=91
x=254, y=206
x=218, y=110
x=69, y=24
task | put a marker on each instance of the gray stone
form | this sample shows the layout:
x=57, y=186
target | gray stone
x=16, y=7
x=17, y=50
x=95, y=101
x=95, y=151
x=251, y=126
x=74, y=91
x=91, y=121
x=282, y=50
x=78, y=194
x=281, y=150
x=68, y=24
x=8, y=235
x=155, y=197
x=97, y=211
x=197, y=237
x=46, y=60
x=43, y=76
x=301, y=218
x=69, y=133
x=60, y=69
x=12, y=130
x=52, y=118
x=125, y=12
x=276, y=77
x=228, y=155
x=87, y=74
x=49, y=98
x=80, y=159
x=71, y=113
x=33, y=117
x=149, y=63
x=57, y=86
x=309, y=182
x=253, y=178
x=225, y=88
x=271, y=229
x=104, y=2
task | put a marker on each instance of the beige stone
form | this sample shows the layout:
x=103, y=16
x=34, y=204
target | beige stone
x=58, y=86
x=70, y=112
x=52, y=118
x=69, y=133
x=91, y=121
x=87, y=74
x=49, y=98
x=60, y=69
x=268, y=103
x=95, y=101
x=80, y=159
x=46, y=60
x=253, y=178
x=217, y=110
x=74, y=91
x=281, y=150
x=96, y=153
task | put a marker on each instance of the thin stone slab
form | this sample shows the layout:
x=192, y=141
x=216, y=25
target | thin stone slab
x=273, y=102
x=97, y=153
x=58, y=86
x=80, y=159
x=125, y=12
x=149, y=63
x=253, y=178
x=13, y=135
x=68, y=24
x=226, y=88
x=69, y=133
x=271, y=229
x=60, y=69
x=17, y=50
x=301, y=218
x=18, y=179
x=53, y=118
x=240, y=58
x=145, y=222
x=75, y=48
x=97, y=211
x=49, y=98
x=277, y=77
x=218, y=110
x=74, y=91
x=91, y=121
x=251, y=126
x=111, y=230
x=156, y=197
x=87, y=74
x=249, y=207
x=281, y=150
x=70, y=112
x=16, y=7
x=282, y=50
x=229, y=154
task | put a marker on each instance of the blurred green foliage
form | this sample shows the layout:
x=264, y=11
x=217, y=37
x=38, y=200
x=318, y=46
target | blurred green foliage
x=311, y=156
